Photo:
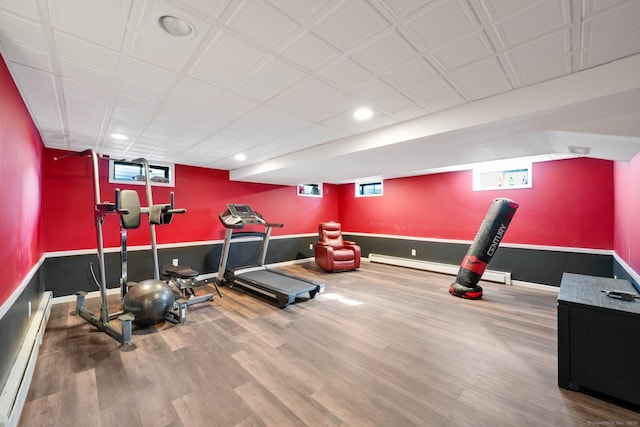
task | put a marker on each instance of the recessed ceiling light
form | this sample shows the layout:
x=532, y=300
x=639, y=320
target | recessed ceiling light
x=240, y=157
x=583, y=151
x=175, y=25
x=119, y=136
x=363, y=113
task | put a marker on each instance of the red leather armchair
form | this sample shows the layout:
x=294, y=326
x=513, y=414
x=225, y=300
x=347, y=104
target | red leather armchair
x=332, y=252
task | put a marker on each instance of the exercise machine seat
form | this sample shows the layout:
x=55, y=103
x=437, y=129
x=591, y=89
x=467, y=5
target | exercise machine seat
x=332, y=252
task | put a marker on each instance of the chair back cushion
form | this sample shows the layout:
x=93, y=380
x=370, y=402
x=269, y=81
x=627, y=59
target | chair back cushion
x=331, y=234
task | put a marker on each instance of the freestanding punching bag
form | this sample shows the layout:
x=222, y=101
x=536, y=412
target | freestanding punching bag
x=483, y=248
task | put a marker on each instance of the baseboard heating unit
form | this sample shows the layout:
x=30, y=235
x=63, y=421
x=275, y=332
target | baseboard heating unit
x=14, y=394
x=489, y=275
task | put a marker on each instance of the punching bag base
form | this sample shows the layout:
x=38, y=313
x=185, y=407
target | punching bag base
x=458, y=290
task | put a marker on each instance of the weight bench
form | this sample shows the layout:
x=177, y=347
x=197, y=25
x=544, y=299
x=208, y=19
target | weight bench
x=184, y=278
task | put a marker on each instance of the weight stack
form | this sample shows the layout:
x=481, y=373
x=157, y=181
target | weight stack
x=481, y=251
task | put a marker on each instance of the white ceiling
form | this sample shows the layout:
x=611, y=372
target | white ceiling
x=450, y=81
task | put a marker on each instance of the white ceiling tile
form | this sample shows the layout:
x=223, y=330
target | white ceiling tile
x=351, y=23
x=81, y=73
x=26, y=55
x=393, y=102
x=197, y=133
x=313, y=90
x=409, y=113
x=237, y=56
x=148, y=75
x=310, y=51
x=339, y=101
x=211, y=8
x=94, y=94
x=345, y=73
x=594, y=6
x=159, y=48
x=22, y=31
x=263, y=23
x=499, y=9
x=305, y=8
x=73, y=49
x=429, y=89
x=541, y=50
x=229, y=107
x=27, y=9
x=402, y=8
x=144, y=92
x=271, y=79
x=177, y=118
x=385, y=52
x=370, y=90
x=535, y=21
x=410, y=73
x=193, y=95
x=442, y=22
x=478, y=72
x=132, y=103
x=545, y=71
x=487, y=88
x=443, y=102
x=615, y=23
x=100, y=22
x=611, y=50
x=299, y=107
x=273, y=120
x=39, y=90
x=464, y=51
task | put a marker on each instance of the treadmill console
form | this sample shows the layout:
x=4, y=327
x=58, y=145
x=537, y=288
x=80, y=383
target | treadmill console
x=237, y=215
x=242, y=211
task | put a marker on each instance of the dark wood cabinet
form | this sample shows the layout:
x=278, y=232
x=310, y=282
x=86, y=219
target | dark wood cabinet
x=598, y=337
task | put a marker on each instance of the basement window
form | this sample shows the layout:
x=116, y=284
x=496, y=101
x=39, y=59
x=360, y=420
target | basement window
x=369, y=188
x=123, y=172
x=310, y=190
x=505, y=178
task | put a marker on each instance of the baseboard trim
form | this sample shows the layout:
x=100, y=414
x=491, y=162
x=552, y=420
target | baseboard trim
x=14, y=393
x=489, y=275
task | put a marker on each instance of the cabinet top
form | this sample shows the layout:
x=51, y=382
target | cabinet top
x=587, y=290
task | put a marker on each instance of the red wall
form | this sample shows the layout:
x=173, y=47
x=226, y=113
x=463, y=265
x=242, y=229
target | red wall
x=69, y=200
x=570, y=204
x=627, y=212
x=20, y=174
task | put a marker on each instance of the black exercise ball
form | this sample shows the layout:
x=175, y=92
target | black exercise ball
x=149, y=301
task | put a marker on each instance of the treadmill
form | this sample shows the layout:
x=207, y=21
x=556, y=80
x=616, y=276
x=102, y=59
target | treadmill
x=258, y=279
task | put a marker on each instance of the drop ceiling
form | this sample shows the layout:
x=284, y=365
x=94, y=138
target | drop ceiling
x=450, y=82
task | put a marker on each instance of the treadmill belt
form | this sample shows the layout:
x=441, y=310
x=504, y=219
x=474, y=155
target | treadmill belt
x=277, y=282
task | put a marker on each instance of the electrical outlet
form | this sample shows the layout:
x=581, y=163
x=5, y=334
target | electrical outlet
x=413, y=252
x=175, y=262
x=311, y=246
x=29, y=309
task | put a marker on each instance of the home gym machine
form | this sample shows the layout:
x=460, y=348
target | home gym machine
x=141, y=298
x=258, y=279
x=143, y=303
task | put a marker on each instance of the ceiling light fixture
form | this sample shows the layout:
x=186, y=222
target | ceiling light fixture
x=363, y=113
x=119, y=136
x=240, y=157
x=583, y=151
x=175, y=25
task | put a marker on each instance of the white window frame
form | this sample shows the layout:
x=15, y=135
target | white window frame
x=170, y=166
x=511, y=177
x=359, y=185
x=307, y=190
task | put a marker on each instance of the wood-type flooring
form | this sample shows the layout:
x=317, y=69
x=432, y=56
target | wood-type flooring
x=382, y=346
